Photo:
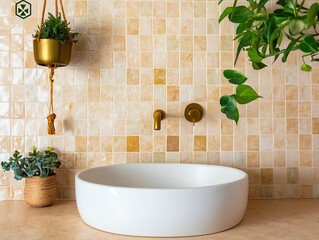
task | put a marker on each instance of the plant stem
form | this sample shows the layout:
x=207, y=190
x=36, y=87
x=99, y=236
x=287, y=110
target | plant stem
x=301, y=5
x=306, y=55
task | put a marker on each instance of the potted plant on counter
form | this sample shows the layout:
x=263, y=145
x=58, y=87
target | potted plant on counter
x=38, y=168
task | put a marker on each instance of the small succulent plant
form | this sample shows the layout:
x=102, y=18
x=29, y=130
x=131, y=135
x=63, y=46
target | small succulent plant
x=55, y=28
x=42, y=164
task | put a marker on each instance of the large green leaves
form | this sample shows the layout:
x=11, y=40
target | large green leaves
x=228, y=106
x=258, y=65
x=289, y=49
x=234, y=76
x=254, y=55
x=309, y=44
x=260, y=33
x=240, y=14
x=312, y=15
x=261, y=4
x=244, y=94
x=225, y=13
x=269, y=28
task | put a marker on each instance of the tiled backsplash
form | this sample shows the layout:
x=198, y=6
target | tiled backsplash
x=136, y=56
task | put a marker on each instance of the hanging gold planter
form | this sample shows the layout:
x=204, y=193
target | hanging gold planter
x=52, y=48
x=52, y=52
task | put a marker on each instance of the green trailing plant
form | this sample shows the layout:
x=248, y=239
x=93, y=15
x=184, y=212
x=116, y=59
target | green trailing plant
x=261, y=33
x=55, y=28
x=42, y=164
x=244, y=94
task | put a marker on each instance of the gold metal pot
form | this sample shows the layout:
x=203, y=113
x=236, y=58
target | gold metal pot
x=52, y=52
x=40, y=192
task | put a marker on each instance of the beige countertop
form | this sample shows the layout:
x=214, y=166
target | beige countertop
x=264, y=219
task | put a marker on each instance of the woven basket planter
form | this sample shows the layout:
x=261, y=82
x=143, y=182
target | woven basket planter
x=40, y=192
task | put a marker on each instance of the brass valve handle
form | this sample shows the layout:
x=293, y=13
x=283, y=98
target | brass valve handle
x=194, y=113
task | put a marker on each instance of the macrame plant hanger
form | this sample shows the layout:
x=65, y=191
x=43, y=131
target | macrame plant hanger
x=52, y=66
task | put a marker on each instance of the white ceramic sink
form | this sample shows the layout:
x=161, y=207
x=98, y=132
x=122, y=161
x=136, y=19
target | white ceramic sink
x=162, y=200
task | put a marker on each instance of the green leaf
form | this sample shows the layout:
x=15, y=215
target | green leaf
x=230, y=73
x=279, y=13
x=258, y=65
x=312, y=15
x=17, y=177
x=308, y=44
x=289, y=49
x=273, y=40
x=254, y=55
x=282, y=22
x=281, y=2
x=291, y=3
x=269, y=28
x=253, y=3
x=264, y=49
x=306, y=67
x=240, y=14
x=279, y=39
x=243, y=42
x=5, y=166
x=227, y=99
x=255, y=40
x=289, y=7
x=234, y=76
x=245, y=94
x=277, y=50
x=296, y=26
x=259, y=17
x=225, y=13
x=229, y=107
x=231, y=113
x=261, y=4
x=288, y=10
x=240, y=28
x=240, y=47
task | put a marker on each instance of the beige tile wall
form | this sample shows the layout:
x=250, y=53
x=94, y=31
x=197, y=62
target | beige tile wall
x=135, y=56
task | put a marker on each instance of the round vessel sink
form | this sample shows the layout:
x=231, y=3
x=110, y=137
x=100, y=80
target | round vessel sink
x=162, y=200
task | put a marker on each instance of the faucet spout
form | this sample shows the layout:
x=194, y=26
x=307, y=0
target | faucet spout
x=158, y=116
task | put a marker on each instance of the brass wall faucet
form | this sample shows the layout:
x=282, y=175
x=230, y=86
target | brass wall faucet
x=158, y=116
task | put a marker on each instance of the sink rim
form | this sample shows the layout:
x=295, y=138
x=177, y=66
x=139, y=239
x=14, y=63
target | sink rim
x=240, y=172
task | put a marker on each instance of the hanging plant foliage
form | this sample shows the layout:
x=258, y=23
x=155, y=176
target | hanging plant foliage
x=55, y=28
x=260, y=33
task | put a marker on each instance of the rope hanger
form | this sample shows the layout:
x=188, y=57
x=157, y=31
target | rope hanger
x=51, y=116
x=56, y=15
